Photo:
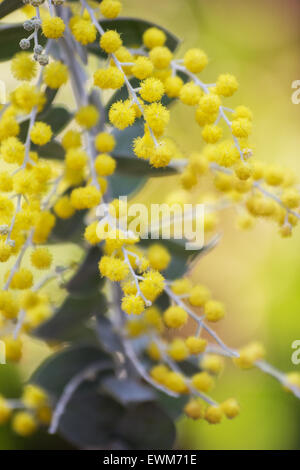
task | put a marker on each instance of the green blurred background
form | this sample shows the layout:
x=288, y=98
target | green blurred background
x=257, y=274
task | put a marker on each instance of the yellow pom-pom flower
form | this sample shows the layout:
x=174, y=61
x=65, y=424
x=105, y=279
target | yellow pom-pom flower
x=195, y=60
x=40, y=133
x=87, y=116
x=154, y=37
x=110, y=8
x=53, y=27
x=23, y=67
x=110, y=41
x=55, y=74
x=175, y=317
x=41, y=258
x=152, y=89
x=133, y=304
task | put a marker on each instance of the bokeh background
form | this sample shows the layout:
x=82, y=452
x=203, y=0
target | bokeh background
x=257, y=273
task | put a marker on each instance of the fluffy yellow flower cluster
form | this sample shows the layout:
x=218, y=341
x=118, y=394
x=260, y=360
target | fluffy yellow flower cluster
x=36, y=193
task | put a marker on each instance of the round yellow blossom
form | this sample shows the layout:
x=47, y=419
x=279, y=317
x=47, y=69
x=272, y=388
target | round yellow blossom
x=113, y=268
x=175, y=317
x=196, y=345
x=249, y=354
x=25, y=97
x=122, y=114
x=12, y=150
x=87, y=116
x=63, y=208
x=34, y=397
x=5, y=251
x=241, y=127
x=153, y=351
x=110, y=41
x=158, y=256
x=105, y=142
x=230, y=408
x=143, y=147
x=173, y=86
x=41, y=258
x=24, y=423
x=9, y=127
x=84, y=31
x=55, y=74
x=212, y=133
x=210, y=104
x=23, y=67
x=195, y=60
x=152, y=318
x=71, y=139
x=53, y=27
x=5, y=410
x=203, y=117
x=214, y=310
x=175, y=382
x=85, y=198
x=226, y=85
x=30, y=299
x=199, y=295
x=22, y=279
x=227, y=154
x=134, y=328
x=152, y=89
x=38, y=315
x=194, y=409
x=274, y=175
x=43, y=226
x=105, y=165
x=111, y=77
x=213, y=414
x=242, y=112
x=157, y=117
x=142, y=68
x=181, y=286
x=190, y=94
x=161, y=57
x=212, y=363
x=90, y=233
x=291, y=198
x=133, y=304
x=13, y=348
x=178, y=350
x=76, y=159
x=161, y=155
x=110, y=8
x=245, y=222
x=159, y=373
x=292, y=379
x=243, y=170
x=152, y=285
x=44, y=414
x=40, y=133
x=8, y=304
x=154, y=37
x=202, y=382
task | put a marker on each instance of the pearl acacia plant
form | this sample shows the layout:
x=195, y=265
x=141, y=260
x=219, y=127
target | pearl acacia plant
x=118, y=350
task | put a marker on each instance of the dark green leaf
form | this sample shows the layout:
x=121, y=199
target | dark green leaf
x=10, y=36
x=57, y=371
x=70, y=317
x=173, y=406
x=127, y=391
x=53, y=150
x=87, y=279
x=109, y=340
x=147, y=426
x=123, y=185
x=71, y=229
x=131, y=30
x=90, y=418
x=8, y=6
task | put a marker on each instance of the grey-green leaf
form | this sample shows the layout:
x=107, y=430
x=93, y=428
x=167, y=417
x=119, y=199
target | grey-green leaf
x=127, y=391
